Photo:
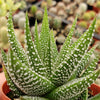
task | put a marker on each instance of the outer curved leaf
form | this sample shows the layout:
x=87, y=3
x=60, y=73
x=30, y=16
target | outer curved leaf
x=27, y=80
x=84, y=61
x=15, y=45
x=12, y=86
x=81, y=66
x=91, y=67
x=73, y=88
x=16, y=91
x=4, y=57
x=89, y=70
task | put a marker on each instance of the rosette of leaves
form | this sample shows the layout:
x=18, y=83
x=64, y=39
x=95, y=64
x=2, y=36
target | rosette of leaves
x=41, y=73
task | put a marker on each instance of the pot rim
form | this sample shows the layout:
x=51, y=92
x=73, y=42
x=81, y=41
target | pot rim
x=5, y=91
x=95, y=89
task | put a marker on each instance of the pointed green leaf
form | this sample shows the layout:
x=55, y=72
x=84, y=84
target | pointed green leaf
x=51, y=53
x=91, y=67
x=11, y=69
x=85, y=61
x=74, y=87
x=27, y=80
x=15, y=45
x=34, y=58
x=81, y=66
x=4, y=57
x=53, y=49
x=12, y=86
x=44, y=36
x=48, y=60
x=63, y=72
x=45, y=43
x=65, y=47
x=36, y=38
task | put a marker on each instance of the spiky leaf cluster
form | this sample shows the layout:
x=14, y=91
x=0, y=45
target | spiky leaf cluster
x=40, y=71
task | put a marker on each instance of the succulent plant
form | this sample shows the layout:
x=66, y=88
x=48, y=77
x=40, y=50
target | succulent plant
x=21, y=14
x=83, y=7
x=98, y=44
x=43, y=4
x=67, y=29
x=61, y=5
x=60, y=39
x=98, y=16
x=3, y=33
x=92, y=42
x=3, y=21
x=30, y=1
x=22, y=4
x=98, y=4
x=4, y=38
x=42, y=71
x=78, y=12
x=5, y=46
x=33, y=29
x=86, y=16
x=73, y=40
x=17, y=17
x=18, y=33
x=49, y=2
x=53, y=10
x=97, y=81
x=70, y=19
x=92, y=14
x=73, y=5
x=90, y=2
x=68, y=9
x=39, y=15
x=7, y=5
x=21, y=23
x=57, y=23
x=33, y=9
x=22, y=39
x=78, y=1
x=97, y=28
x=66, y=1
x=77, y=34
x=61, y=14
x=83, y=24
x=50, y=21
